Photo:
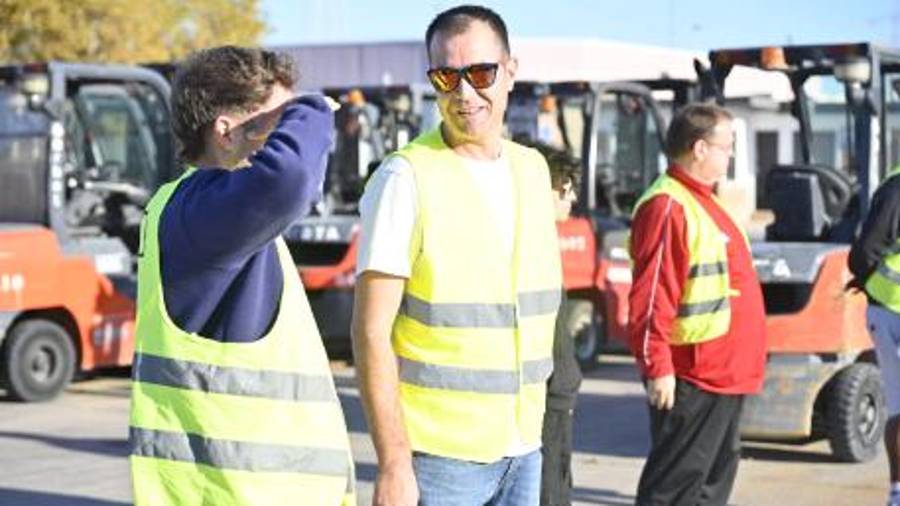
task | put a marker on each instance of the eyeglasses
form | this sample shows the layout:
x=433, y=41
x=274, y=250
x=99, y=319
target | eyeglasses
x=479, y=75
x=728, y=149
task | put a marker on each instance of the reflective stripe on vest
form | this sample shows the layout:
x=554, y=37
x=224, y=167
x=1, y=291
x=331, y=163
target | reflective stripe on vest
x=712, y=269
x=480, y=315
x=224, y=423
x=474, y=332
x=237, y=455
x=700, y=308
x=231, y=380
x=883, y=284
x=473, y=380
x=704, y=312
x=892, y=275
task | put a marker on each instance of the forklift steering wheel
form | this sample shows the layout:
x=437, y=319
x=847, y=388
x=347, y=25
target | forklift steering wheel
x=837, y=189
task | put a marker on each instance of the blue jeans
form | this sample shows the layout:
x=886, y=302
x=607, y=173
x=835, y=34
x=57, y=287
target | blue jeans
x=510, y=481
x=884, y=327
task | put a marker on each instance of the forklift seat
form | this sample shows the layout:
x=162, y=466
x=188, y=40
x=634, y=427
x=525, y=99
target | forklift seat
x=798, y=203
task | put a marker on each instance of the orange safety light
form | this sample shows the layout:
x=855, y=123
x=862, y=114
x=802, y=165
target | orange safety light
x=547, y=103
x=772, y=58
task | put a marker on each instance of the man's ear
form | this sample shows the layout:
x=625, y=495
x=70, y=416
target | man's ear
x=223, y=132
x=700, y=149
x=512, y=66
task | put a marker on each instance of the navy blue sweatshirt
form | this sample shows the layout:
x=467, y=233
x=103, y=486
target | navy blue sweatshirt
x=220, y=271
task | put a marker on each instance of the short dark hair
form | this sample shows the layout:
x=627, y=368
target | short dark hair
x=563, y=166
x=692, y=123
x=457, y=20
x=221, y=80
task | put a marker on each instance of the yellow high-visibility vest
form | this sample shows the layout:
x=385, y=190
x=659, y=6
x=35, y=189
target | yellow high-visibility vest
x=883, y=284
x=474, y=333
x=233, y=423
x=704, y=312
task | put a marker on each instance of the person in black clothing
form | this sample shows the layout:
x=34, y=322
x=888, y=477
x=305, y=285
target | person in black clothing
x=874, y=255
x=562, y=386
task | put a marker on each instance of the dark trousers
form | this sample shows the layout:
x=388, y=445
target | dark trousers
x=556, y=471
x=695, y=450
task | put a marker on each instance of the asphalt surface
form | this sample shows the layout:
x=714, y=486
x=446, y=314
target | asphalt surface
x=72, y=451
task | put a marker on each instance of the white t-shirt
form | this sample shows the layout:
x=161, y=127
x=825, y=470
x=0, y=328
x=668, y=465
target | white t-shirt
x=388, y=214
x=389, y=205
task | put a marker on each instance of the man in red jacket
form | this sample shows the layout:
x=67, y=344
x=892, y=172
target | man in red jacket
x=696, y=323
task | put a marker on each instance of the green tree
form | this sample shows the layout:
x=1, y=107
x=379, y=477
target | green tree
x=123, y=31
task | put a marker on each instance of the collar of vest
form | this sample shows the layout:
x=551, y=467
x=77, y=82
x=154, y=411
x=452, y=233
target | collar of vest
x=434, y=139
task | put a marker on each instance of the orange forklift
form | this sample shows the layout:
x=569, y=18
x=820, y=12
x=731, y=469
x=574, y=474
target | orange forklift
x=821, y=375
x=82, y=148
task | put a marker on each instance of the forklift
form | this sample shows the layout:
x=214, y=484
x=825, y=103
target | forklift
x=373, y=121
x=821, y=375
x=82, y=149
x=616, y=129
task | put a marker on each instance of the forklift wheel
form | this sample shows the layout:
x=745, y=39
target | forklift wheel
x=582, y=326
x=856, y=413
x=38, y=361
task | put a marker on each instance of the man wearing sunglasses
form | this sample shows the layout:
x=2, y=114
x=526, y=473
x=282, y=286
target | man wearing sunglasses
x=459, y=276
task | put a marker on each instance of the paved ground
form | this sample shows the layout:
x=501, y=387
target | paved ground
x=71, y=452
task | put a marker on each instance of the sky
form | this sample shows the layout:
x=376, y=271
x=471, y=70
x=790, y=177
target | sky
x=687, y=24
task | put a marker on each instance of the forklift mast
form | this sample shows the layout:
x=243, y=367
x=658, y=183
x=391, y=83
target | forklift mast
x=373, y=122
x=615, y=129
x=820, y=380
x=94, y=120
x=864, y=71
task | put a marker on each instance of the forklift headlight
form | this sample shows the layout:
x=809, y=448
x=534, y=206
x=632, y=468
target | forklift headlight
x=35, y=84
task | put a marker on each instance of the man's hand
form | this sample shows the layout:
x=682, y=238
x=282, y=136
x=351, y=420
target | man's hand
x=661, y=391
x=260, y=123
x=854, y=285
x=332, y=104
x=396, y=486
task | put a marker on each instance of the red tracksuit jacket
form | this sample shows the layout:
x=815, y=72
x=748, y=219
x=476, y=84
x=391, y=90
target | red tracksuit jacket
x=731, y=364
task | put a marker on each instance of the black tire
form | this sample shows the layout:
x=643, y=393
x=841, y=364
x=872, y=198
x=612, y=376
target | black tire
x=856, y=413
x=583, y=327
x=38, y=361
